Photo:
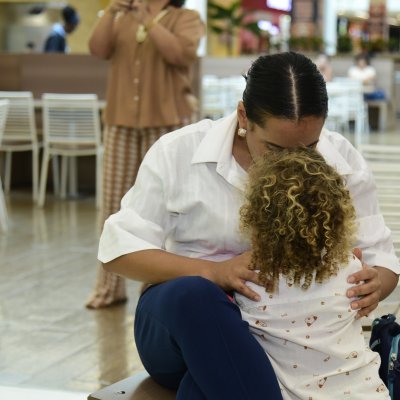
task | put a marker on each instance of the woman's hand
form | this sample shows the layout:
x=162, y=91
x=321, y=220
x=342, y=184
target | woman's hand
x=368, y=288
x=120, y=5
x=232, y=275
x=141, y=11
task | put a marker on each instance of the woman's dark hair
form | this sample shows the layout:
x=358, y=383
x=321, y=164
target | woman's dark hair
x=177, y=3
x=286, y=85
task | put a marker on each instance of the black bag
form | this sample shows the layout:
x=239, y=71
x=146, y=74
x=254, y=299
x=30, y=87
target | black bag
x=385, y=339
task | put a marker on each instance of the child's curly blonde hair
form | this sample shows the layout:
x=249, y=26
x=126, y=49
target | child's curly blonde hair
x=299, y=216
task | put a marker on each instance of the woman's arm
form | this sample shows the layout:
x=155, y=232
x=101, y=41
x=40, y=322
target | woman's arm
x=374, y=240
x=168, y=45
x=389, y=281
x=100, y=42
x=156, y=266
x=178, y=47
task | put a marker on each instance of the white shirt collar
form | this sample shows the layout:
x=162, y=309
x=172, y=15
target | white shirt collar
x=216, y=146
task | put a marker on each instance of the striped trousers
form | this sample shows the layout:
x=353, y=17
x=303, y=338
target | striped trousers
x=124, y=149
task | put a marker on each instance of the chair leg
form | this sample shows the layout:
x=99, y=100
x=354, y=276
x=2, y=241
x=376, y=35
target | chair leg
x=35, y=173
x=358, y=131
x=56, y=176
x=366, y=120
x=43, y=177
x=73, y=173
x=3, y=211
x=7, y=172
x=64, y=173
x=382, y=117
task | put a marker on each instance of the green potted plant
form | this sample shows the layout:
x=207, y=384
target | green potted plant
x=344, y=44
x=225, y=21
x=305, y=43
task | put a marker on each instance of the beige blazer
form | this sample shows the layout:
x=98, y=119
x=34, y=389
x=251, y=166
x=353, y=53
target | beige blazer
x=144, y=90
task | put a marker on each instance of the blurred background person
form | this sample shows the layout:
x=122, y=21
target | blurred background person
x=152, y=46
x=56, y=41
x=364, y=72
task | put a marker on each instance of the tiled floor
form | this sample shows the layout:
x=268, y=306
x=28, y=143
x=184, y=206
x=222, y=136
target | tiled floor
x=14, y=393
x=48, y=339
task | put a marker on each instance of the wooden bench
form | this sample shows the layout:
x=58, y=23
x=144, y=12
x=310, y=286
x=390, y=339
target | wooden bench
x=138, y=387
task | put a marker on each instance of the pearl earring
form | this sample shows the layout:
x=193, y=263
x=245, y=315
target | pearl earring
x=242, y=132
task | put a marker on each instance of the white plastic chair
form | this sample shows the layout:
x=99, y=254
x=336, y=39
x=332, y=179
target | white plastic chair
x=346, y=103
x=213, y=97
x=233, y=87
x=20, y=135
x=384, y=161
x=220, y=96
x=4, y=104
x=357, y=107
x=338, y=107
x=71, y=128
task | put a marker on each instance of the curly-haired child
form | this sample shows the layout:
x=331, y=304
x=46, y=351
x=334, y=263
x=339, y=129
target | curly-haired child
x=301, y=222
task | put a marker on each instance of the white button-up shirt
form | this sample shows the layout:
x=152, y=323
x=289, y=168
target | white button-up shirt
x=189, y=189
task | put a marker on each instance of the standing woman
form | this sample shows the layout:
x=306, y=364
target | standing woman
x=152, y=46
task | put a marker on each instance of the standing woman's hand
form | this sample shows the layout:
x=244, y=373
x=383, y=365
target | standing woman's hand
x=120, y=5
x=140, y=11
x=101, y=41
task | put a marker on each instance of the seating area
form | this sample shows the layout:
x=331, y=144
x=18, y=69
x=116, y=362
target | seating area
x=20, y=134
x=220, y=95
x=348, y=111
x=71, y=128
x=346, y=106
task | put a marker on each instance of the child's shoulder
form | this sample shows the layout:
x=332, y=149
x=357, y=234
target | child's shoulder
x=337, y=284
x=333, y=286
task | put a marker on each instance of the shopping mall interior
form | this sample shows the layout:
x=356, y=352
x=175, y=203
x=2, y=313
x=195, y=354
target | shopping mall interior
x=51, y=204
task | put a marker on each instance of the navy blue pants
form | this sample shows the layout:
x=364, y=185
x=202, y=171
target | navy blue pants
x=191, y=337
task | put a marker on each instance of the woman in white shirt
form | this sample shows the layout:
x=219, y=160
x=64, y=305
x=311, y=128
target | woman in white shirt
x=178, y=230
x=301, y=224
x=362, y=71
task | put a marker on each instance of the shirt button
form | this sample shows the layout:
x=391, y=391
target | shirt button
x=136, y=81
x=137, y=62
x=136, y=98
